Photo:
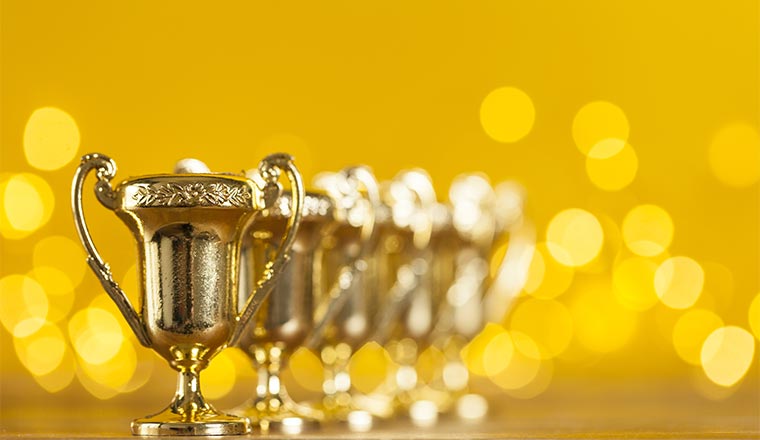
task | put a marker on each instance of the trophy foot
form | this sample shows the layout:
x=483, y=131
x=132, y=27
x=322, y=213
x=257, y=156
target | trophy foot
x=202, y=424
x=290, y=418
x=287, y=424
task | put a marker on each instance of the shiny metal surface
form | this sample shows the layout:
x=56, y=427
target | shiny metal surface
x=188, y=229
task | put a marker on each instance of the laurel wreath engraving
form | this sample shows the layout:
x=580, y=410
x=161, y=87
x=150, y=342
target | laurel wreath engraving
x=192, y=194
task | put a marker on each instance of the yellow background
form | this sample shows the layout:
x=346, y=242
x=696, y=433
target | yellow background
x=397, y=84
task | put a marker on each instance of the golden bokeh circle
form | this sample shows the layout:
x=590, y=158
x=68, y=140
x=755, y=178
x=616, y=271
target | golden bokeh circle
x=601, y=324
x=678, y=282
x=614, y=172
x=24, y=305
x=51, y=139
x=734, y=155
x=307, y=370
x=498, y=353
x=219, y=377
x=754, y=316
x=62, y=253
x=523, y=366
x=633, y=283
x=507, y=114
x=27, y=205
x=691, y=330
x=42, y=351
x=574, y=237
x=369, y=367
x=647, y=230
x=548, y=323
x=599, y=121
x=547, y=278
x=727, y=355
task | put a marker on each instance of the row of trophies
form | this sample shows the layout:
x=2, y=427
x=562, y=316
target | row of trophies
x=237, y=260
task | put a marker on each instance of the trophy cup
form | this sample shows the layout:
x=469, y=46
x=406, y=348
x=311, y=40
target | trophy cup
x=345, y=325
x=292, y=313
x=188, y=228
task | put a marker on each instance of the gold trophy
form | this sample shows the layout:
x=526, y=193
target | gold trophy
x=405, y=281
x=188, y=228
x=297, y=308
x=482, y=217
x=344, y=325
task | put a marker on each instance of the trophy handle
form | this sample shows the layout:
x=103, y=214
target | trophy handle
x=106, y=169
x=270, y=169
x=337, y=295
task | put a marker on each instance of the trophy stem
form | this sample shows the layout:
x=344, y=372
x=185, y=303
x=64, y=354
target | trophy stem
x=337, y=381
x=188, y=413
x=189, y=401
x=272, y=409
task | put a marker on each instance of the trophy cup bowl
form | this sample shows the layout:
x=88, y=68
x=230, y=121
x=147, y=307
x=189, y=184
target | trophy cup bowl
x=188, y=229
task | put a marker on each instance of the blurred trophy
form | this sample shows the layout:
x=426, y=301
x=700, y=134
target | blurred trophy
x=188, y=228
x=344, y=325
x=297, y=308
x=483, y=218
x=405, y=282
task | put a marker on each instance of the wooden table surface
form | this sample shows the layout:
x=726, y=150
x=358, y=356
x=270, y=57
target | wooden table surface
x=577, y=411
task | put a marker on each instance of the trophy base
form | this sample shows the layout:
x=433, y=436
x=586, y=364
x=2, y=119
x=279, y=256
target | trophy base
x=287, y=424
x=172, y=424
x=290, y=419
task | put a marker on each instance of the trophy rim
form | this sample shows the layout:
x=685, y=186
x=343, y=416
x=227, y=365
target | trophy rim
x=317, y=206
x=207, y=190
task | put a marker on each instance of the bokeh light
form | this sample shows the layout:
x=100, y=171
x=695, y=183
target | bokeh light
x=537, y=385
x=60, y=291
x=614, y=172
x=691, y=330
x=507, y=114
x=600, y=121
x=754, y=316
x=23, y=305
x=369, y=367
x=498, y=352
x=647, y=230
x=109, y=378
x=51, y=139
x=601, y=324
x=734, y=155
x=679, y=282
x=727, y=355
x=96, y=335
x=473, y=353
x=62, y=253
x=522, y=367
x=547, y=278
x=218, y=379
x=60, y=377
x=306, y=369
x=27, y=204
x=633, y=283
x=574, y=237
x=548, y=323
x=42, y=351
